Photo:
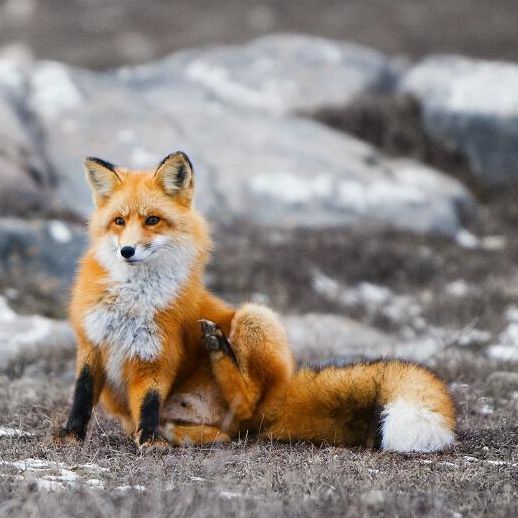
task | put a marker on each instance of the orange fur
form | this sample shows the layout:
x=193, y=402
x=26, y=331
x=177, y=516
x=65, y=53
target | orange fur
x=203, y=397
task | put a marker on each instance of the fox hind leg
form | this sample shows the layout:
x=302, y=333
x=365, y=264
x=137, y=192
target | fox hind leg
x=254, y=364
x=239, y=394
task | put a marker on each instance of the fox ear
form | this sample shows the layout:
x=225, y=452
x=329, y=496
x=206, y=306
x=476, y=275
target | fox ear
x=102, y=177
x=175, y=175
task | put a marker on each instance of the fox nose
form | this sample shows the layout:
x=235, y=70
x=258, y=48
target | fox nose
x=127, y=252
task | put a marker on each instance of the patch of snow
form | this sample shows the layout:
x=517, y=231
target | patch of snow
x=459, y=288
x=485, y=409
x=489, y=461
x=6, y=431
x=53, y=476
x=467, y=240
x=197, y=479
x=59, y=232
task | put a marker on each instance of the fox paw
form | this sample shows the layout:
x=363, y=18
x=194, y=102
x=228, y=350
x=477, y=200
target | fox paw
x=62, y=437
x=215, y=340
x=150, y=442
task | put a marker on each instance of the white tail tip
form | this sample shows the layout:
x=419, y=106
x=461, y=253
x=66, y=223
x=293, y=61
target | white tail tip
x=409, y=426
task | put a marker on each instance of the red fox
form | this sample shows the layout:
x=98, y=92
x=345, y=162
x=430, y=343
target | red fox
x=153, y=347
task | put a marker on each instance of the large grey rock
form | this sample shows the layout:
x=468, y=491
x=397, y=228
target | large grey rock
x=24, y=183
x=38, y=260
x=273, y=171
x=471, y=105
x=28, y=337
x=281, y=73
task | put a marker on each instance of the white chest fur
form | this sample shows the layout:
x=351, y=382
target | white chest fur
x=124, y=320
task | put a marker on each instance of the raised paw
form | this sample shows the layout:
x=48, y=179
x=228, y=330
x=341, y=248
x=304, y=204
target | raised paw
x=62, y=437
x=215, y=340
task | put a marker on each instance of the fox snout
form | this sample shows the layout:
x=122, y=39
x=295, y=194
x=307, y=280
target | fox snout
x=127, y=251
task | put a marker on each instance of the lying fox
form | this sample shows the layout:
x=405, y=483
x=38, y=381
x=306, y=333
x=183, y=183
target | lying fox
x=153, y=346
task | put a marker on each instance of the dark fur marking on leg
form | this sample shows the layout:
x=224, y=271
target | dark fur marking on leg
x=82, y=406
x=149, y=417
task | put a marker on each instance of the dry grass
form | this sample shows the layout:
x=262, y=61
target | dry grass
x=249, y=478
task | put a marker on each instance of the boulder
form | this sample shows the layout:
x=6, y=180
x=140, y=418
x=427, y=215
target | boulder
x=471, y=106
x=24, y=182
x=281, y=172
x=30, y=337
x=279, y=73
x=38, y=262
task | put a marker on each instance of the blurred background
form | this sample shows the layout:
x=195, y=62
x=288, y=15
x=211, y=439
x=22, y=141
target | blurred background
x=99, y=34
x=357, y=161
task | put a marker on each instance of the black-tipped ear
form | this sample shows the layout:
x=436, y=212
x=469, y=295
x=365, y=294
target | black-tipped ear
x=102, y=177
x=175, y=175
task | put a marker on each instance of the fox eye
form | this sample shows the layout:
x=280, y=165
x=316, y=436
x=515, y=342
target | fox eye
x=152, y=220
x=119, y=221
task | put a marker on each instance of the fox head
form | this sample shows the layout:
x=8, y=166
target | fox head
x=144, y=218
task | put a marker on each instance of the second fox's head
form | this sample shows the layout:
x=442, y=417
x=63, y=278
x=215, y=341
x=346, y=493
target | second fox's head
x=145, y=216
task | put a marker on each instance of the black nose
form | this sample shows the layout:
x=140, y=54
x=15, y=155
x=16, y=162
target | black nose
x=127, y=251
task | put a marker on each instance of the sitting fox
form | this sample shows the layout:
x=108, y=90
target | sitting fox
x=153, y=346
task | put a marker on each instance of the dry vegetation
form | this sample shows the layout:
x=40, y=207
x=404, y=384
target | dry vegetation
x=257, y=479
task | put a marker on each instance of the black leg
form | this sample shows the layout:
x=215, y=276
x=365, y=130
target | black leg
x=82, y=406
x=149, y=418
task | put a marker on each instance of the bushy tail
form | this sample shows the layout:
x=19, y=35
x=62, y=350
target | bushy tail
x=390, y=404
x=418, y=413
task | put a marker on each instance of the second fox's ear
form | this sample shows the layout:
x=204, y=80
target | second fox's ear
x=174, y=174
x=102, y=177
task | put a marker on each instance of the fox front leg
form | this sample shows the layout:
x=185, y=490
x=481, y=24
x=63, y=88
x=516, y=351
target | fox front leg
x=88, y=386
x=146, y=394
